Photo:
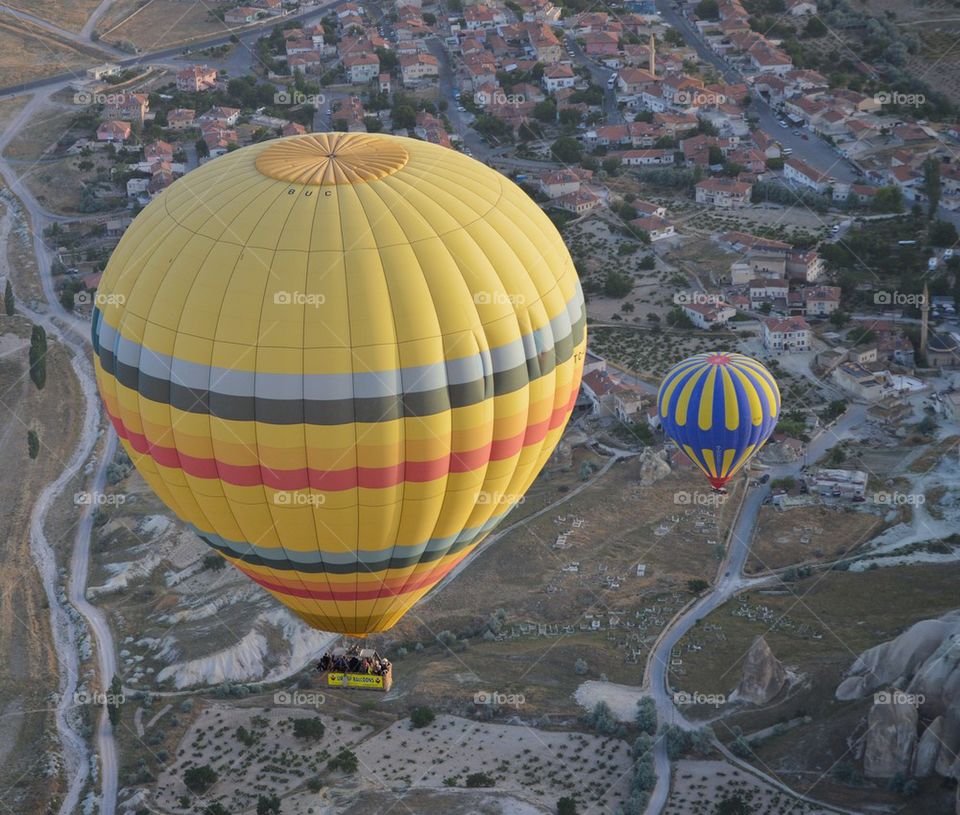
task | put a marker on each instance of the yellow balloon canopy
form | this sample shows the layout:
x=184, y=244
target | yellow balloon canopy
x=341, y=358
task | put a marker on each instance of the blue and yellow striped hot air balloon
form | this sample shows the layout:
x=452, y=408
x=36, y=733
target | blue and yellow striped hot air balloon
x=719, y=408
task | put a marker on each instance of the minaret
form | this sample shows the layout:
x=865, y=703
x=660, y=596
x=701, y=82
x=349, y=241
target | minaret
x=924, y=322
x=653, y=56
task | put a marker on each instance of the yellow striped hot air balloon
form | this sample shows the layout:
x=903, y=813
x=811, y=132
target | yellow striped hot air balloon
x=719, y=408
x=341, y=358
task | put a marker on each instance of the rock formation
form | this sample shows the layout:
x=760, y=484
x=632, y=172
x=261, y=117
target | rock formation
x=653, y=466
x=763, y=676
x=923, y=663
x=891, y=738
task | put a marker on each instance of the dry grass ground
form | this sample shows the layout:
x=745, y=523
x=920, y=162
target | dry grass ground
x=565, y=589
x=45, y=132
x=806, y=534
x=700, y=786
x=160, y=23
x=28, y=670
x=27, y=52
x=817, y=628
x=68, y=15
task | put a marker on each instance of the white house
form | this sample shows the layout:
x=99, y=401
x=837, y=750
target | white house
x=707, y=315
x=786, y=335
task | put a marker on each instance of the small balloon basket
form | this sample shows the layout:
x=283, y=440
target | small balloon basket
x=356, y=668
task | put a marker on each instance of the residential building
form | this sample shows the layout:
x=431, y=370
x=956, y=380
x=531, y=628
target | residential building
x=196, y=78
x=766, y=290
x=128, y=107
x=181, y=118
x=241, y=15
x=708, y=315
x=657, y=228
x=723, y=192
x=415, y=68
x=858, y=381
x=801, y=173
x=361, y=68
x=558, y=76
x=557, y=183
x=821, y=301
x=788, y=335
x=839, y=483
x=114, y=131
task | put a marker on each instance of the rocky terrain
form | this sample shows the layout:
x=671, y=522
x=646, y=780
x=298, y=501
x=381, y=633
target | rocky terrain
x=913, y=727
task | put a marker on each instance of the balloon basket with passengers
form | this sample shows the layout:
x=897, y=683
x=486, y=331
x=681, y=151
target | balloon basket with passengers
x=356, y=667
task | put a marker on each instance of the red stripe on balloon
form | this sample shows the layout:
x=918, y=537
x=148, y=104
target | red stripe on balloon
x=430, y=579
x=254, y=475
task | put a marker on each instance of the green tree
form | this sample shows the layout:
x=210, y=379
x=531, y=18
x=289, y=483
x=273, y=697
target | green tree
x=707, y=10
x=567, y=806
x=734, y=805
x=38, y=356
x=480, y=780
x=200, y=778
x=932, y=185
x=567, y=150
x=421, y=716
x=9, y=305
x=33, y=443
x=814, y=28
x=646, y=718
x=888, y=199
x=545, y=111
x=697, y=586
x=308, y=728
x=942, y=233
x=202, y=149
x=617, y=284
x=268, y=804
x=345, y=760
x=114, y=701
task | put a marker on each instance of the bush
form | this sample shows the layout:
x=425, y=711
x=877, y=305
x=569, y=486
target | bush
x=421, y=717
x=480, y=780
x=312, y=729
x=200, y=779
x=345, y=760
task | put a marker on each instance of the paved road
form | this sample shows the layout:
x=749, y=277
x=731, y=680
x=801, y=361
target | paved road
x=818, y=154
x=729, y=583
x=100, y=628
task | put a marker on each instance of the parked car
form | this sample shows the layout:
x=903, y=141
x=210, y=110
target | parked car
x=764, y=478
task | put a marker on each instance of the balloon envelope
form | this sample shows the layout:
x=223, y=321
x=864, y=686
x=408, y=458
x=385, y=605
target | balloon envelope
x=341, y=358
x=719, y=408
